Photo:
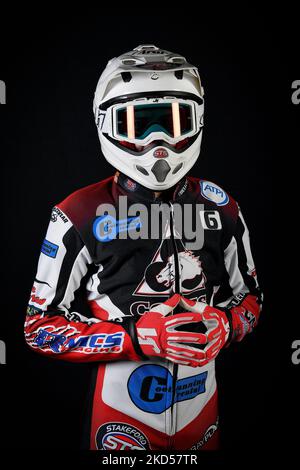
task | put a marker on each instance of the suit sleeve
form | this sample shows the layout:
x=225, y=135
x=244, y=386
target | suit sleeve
x=51, y=327
x=243, y=302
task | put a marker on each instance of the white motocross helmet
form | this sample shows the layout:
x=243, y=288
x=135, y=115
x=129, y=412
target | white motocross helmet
x=148, y=108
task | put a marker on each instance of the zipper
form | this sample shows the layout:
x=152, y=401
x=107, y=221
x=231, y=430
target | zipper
x=177, y=291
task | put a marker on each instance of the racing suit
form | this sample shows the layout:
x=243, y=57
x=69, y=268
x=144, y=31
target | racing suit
x=138, y=403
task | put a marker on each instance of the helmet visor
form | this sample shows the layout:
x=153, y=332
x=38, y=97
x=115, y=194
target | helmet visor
x=138, y=121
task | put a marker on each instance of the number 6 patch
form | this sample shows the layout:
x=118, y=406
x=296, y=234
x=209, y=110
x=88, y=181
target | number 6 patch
x=210, y=220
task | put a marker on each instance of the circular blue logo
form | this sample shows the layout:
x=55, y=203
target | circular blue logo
x=213, y=192
x=150, y=388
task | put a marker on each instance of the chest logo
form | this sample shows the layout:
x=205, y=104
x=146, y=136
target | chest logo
x=151, y=388
x=160, y=275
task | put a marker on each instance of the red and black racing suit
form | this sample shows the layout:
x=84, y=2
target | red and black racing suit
x=139, y=404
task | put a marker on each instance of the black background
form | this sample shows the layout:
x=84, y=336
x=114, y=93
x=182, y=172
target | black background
x=247, y=59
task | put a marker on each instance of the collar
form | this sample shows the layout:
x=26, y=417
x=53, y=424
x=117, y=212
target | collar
x=137, y=191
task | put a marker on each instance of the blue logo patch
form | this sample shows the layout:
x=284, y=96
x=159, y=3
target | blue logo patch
x=106, y=227
x=151, y=388
x=58, y=343
x=213, y=192
x=49, y=249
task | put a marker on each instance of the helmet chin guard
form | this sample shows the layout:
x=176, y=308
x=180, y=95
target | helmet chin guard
x=148, y=108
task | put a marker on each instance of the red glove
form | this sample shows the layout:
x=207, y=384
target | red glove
x=243, y=317
x=158, y=333
x=217, y=327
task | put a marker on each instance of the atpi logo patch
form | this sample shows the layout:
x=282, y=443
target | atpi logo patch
x=120, y=436
x=213, y=192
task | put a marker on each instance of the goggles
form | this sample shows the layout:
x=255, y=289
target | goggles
x=142, y=121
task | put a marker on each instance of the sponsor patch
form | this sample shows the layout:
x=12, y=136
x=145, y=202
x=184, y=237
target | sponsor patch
x=63, y=339
x=237, y=300
x=150, y=387
x=210, y=431
x=57, y=213
x=35, y=299
x=49, y=249
x=213, y=192
x=106, y=227
x=130, y=185
x=183, y=189
x=32, y=311
x=120, y=436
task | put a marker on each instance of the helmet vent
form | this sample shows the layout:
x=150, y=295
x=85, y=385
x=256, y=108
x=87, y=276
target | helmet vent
x=142, y=170
x=177, y=168
x=126, y=76
x=177, y=60
x=179, y=74
x=130, y=62
x=148, y=49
